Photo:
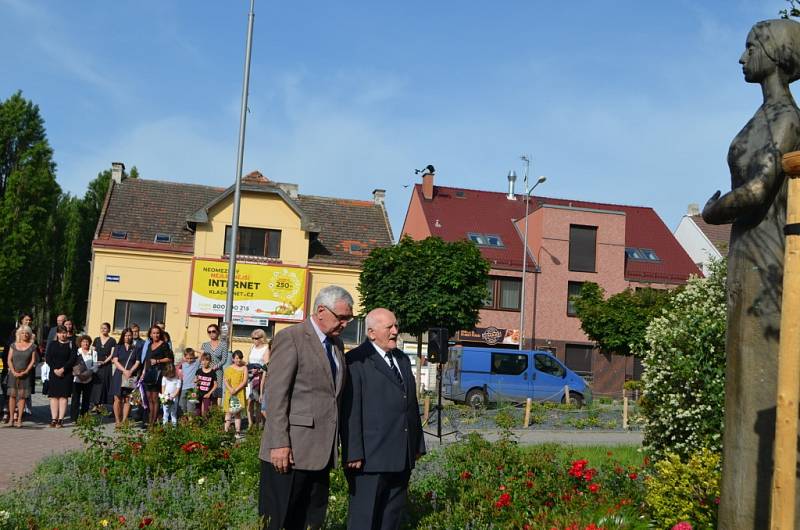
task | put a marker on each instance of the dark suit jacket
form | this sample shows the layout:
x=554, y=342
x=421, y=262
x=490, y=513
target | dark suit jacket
x=302, y=398
x=380, y=416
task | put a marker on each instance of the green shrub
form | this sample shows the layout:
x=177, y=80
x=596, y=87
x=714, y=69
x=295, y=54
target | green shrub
x=684, y=370
x=633, y=385
x=678, y=491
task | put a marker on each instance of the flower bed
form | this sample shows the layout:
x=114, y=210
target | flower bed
x=195, y=476
x=478, y=484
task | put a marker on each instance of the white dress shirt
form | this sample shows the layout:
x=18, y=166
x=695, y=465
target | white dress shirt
x=385, y=357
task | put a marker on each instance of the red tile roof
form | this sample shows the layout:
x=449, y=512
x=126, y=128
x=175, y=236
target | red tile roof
x=345, y=230
x=454, y=212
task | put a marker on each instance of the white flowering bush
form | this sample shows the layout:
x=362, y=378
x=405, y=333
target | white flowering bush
x=684, y=370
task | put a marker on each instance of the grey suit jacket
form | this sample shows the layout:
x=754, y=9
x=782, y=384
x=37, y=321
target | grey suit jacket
x=302, y=400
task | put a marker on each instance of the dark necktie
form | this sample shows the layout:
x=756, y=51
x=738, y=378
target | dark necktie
x=394, y=368
x=329, y=351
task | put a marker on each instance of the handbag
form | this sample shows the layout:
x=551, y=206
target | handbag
x=151, y=376
x=129, y=383
x=82, y=372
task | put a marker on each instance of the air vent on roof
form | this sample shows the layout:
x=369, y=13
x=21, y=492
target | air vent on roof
x=163, y=238
x=119, y=234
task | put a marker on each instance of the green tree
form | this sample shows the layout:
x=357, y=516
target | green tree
x=618, y=324
x=79, y=221
x=792, y=11
x=427, y=283
x=74, y=271
x=27, y=205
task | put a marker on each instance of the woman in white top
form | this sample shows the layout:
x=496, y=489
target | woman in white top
x=256, y=360
x=82, y=389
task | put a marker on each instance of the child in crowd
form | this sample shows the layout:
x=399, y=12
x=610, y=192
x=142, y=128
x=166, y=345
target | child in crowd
x=235, y=379
x=188, y=370
x=206, y=383
x=170, y=391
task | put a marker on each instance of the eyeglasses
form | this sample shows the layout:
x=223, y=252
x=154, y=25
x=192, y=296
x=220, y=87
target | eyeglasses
x=341, y=318
x=210, y=331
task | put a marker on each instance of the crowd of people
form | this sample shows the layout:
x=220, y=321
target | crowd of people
x=319, y=407
x=82, y=375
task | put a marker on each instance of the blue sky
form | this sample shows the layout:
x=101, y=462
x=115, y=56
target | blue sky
x=626, y=102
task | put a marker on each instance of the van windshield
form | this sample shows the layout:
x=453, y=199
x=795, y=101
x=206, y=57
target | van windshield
x=545, y=363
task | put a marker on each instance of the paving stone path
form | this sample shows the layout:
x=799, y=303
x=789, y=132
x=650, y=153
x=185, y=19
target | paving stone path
x=23, y=448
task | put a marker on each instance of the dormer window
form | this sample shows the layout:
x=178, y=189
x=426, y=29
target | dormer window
x=163, y=238
x=650, y=254
x=485, y=240
x=641, y=254
x=634, y=253
x=119, y=234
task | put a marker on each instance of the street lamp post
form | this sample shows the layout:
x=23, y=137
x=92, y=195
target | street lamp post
x=528, y=192
x=237, y=193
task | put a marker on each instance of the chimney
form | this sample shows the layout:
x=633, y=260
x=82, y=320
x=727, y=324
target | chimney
x=427, y=182
x=693, y=209
x=512, y=180
x=117, y=171
x=290, y=189
x=378, y=196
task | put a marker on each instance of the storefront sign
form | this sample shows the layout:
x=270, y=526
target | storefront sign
x=490, y=336
x=261, y=292
x=112, y=277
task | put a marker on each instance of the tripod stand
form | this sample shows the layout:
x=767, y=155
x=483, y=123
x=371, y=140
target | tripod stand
x=439, y=435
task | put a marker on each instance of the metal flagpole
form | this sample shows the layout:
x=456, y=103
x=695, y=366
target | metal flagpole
x=237, y=194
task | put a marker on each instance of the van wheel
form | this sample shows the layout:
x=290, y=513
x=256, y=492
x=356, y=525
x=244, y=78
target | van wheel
x=575, y=399
x=476, y=398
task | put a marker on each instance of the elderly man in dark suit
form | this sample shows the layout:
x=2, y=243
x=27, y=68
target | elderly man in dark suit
x=381, y=429
x=304, y=383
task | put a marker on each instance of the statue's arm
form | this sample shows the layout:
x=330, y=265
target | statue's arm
x=761, y=187
x=724, y=209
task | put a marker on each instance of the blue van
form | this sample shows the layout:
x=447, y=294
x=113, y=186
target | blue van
x=479, y=376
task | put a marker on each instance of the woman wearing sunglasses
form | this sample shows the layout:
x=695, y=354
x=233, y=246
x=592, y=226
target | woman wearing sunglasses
x=217, y=348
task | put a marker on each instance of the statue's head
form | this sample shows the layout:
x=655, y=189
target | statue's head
x=772, y=46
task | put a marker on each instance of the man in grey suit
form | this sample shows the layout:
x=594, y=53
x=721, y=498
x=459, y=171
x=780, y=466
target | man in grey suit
x=381, y=429
x=51, y=334
x=304, y=383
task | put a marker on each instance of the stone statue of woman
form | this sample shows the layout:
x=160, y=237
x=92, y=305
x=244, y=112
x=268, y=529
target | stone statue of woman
x=757, y=208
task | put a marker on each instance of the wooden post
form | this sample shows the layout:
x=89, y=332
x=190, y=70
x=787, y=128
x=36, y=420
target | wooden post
x=566, y=394
x=785, y=460
x=527, y=413
x=426, y=409
x=624, y=410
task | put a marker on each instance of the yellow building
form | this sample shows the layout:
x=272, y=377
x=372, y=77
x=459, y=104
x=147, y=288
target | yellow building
x=160, y=253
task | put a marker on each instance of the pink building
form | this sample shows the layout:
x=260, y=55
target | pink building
x=569, y=242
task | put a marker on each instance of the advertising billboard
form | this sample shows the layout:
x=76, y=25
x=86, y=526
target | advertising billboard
x=490, y=336
x=261, y=292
